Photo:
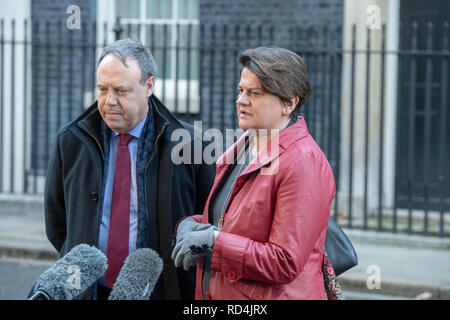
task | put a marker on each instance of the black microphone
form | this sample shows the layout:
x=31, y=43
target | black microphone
x=71, y=275
x=138, y=276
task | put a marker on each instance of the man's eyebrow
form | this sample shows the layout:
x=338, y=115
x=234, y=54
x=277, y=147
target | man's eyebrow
x=123, y=88
x=117, y=88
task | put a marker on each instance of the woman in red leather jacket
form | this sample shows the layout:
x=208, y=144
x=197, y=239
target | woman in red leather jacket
x=262, y=232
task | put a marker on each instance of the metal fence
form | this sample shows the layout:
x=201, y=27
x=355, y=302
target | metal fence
x=379, y=114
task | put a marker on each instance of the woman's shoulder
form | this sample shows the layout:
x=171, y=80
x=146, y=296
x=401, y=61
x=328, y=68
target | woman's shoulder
x=305, y=163
x=304, y=155
x=305, y=148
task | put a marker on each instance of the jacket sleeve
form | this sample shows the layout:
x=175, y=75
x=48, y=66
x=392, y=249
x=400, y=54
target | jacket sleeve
x=303, y=201
x=54, y=204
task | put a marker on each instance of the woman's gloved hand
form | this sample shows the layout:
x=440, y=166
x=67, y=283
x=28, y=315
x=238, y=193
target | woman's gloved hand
x=193, y=245
x=189, y=225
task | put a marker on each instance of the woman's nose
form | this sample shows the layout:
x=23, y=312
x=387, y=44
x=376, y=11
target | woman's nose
x=243, y=99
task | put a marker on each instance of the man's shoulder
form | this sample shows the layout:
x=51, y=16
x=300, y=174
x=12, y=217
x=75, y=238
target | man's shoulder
x=63, y=132
x=89, y=114
x=194, y=131
x=66, y=138
x=172, y=121
x=185, y=133
x=66, y=131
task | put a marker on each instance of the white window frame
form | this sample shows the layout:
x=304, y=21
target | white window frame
x=107, y=13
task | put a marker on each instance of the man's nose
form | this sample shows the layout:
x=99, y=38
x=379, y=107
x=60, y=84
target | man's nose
x=111, y=98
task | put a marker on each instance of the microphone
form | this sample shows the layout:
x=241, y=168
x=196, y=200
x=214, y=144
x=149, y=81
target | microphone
x=71, y=275
x=138, y=276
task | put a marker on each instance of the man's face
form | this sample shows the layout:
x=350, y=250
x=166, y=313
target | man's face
x=122, y=99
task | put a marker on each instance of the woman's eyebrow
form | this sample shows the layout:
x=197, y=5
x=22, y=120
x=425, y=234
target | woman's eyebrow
x=252, y=88
x=255, y=89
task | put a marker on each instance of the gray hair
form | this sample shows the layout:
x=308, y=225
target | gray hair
x=132, y=48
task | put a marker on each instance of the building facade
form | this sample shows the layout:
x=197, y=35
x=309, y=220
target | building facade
x=379, y=72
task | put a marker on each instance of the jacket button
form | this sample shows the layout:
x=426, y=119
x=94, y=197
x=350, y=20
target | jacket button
x=257, y=295
x=231, y=275
x=93, y=196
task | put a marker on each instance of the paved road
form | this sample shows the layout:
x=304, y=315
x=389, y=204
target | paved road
x=18, y=275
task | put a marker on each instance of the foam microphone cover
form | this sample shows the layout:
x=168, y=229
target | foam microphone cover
x=138, y=276
x=73, y=273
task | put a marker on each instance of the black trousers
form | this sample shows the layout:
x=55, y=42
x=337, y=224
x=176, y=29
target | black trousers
x=103, y=292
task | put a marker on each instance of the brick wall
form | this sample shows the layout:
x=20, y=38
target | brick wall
x=60, y=83
x=63, y=63
x=229, y=27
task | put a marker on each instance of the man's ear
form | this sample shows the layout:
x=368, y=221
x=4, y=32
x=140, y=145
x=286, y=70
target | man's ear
x=149, y=85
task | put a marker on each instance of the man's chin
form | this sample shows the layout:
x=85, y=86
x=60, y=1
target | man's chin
x=116, y=127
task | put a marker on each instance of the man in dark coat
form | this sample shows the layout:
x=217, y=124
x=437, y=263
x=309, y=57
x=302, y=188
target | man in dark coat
x=80, y=187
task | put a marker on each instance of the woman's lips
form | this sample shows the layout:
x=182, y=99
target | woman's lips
x=243, y=114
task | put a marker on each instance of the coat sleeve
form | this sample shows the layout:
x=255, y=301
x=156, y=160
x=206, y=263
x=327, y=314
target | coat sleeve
x=54, y=204
x=303, y=201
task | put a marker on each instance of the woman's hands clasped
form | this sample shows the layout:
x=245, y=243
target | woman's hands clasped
x=193, y=240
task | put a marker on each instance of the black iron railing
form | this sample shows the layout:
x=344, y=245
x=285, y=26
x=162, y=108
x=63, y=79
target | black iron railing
x=391, y=166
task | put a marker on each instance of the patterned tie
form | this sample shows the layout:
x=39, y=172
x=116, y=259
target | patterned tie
x=119, y=224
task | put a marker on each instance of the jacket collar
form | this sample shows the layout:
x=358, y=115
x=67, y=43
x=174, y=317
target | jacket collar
x=293, y=133
x=286, y=138
x=162, y=115
x=90, y=120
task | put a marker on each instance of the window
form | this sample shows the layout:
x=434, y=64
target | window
x=170, y=29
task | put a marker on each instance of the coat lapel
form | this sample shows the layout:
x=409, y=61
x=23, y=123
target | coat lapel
x=266, y=161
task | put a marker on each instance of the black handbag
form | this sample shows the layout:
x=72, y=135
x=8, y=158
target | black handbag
x=339, y=249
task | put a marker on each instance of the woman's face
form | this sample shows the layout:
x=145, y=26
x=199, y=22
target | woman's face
x=256, y=108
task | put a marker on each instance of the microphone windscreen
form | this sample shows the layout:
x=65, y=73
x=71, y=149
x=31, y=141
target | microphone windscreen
x=73, y=273
x=138, y=276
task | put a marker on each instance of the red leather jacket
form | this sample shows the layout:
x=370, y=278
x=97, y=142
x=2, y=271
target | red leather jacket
x=274, y=228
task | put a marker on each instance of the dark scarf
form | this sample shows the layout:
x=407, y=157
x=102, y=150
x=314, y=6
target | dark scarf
x=145, y=149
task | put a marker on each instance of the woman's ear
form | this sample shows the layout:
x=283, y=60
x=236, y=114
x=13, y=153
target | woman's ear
x=289, y=105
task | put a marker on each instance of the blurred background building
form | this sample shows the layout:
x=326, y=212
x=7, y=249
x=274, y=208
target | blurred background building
x=379, y=72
